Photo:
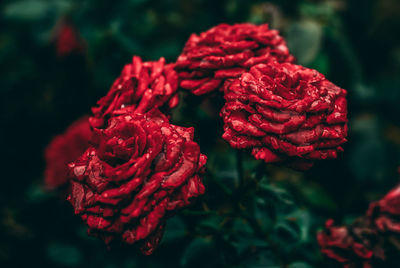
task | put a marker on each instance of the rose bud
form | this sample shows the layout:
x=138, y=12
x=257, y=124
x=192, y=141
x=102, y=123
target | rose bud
x=141, y=171
x=350, y=246
x=286, y=114
x=64, y=149
x=142, y=85
x=385, y=213
x=67, y=39
x=226, y=51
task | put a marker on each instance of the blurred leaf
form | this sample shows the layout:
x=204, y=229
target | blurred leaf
x=304, y=40
x=299, y=265
x=30, y=10
x=64, y=254
x=169, y=50
x=318, y=11
x=364, y=92
x=211, y=224
x=243, y=237
x=316, y=196
x=130, y=263
x=201, y=252
x=175, y=229
x=321, y=63
x=27, y=10
x=368, y=156
x=278, y=194
x=262, y=259
x=36, y=193
x=137, y=2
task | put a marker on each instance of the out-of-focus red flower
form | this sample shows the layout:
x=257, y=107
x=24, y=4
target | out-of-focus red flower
x=285, y=113
x=141, y=85
x=344, y=246
x=64, y=149
x=67, y=40
x=385, y=213
x=140, y=171
x=226, y=51
x=371, y=241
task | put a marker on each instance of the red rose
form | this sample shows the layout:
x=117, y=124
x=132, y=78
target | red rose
x=226, y=51
x=385, y=213
x=285, y=113
x=142, y=85
x=67, y=40
x=345, y=246
x=64, y=149
x=141, y=170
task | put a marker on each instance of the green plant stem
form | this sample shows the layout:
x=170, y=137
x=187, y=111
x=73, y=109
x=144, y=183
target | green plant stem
x=239, y=167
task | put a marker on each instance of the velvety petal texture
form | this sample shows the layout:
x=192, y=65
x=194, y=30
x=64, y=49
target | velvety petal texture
x=226, y=51
x=64, y=149
x=285, y=113
x=140, y=171
x=141, y=85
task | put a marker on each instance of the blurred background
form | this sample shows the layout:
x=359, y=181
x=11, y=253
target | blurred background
x=45, y=84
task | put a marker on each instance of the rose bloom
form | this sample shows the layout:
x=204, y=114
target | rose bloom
x=68, y=40
x=385, y=213
x=349, y=246
x=141, y=85
x=285, y=113
x=141, y=170
x=64, y=149
x=226, y=51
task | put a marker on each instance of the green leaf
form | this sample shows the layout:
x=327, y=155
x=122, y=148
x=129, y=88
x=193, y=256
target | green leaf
x=242, y=237
x=26, y=10
x=299, y=265
x=31, y=10
x=36, y=193
x=304, y=40
x=261, y=259
x=201, y=252
x=210, y=225
x=174, y=230
x=316, y=196
x=278, y=194
x=64, y=254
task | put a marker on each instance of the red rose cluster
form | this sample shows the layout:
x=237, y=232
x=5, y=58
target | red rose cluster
x=226, y=51
x=370, y=239
x=64, y=149
x=139, y=169
x=285, y=113
x=142, y=169
x=141, y=85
